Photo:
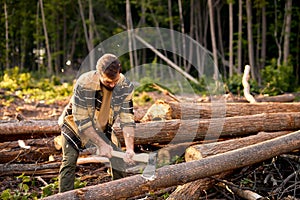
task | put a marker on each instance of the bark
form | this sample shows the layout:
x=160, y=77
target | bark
x=165, y=131
x=240, y=33
x=45, y=168
x=172, y=33
x=230, y=39
x=183, y=32
x=250, y=38
x=49, y=69
x=12, y=131
x=36, y=169
x=38, y=149
x=194, y=189
x=213, y=37
x=205, y=110
x=200, y=151
x=129, y=31
x=6, y=37
x=287, y=32
x=186, y=172
x=263, y=37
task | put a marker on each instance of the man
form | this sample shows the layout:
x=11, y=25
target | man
x=99, y=97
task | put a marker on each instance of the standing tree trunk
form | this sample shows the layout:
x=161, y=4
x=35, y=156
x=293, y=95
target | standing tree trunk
x=6, y=37
x=230, y=39
x=183, y=32
x=287, y=32
x=250, y=38
x=172, y=34
x=129, y=30
x=49, y=69
x=240, y=32
x=263, y=37
x=213, y=38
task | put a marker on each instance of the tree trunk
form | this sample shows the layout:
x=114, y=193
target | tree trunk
x=186, y=172
x=183, y=32
x=129, y=31
x=263, y=37
x=240, y=33
x=213, y=37
x=173, y=44
x=6, y=37
x=287, y=32
x=250, y=38
x=49, y=69
x=230, y=39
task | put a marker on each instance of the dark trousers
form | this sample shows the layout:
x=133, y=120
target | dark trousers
x=68, y=166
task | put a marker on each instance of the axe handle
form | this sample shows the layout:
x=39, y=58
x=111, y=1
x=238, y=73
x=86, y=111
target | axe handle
x=141, y=157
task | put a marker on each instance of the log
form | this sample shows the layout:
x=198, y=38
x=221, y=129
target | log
x=45, y=168
x=197, y=152
x=38, y=149
x=185, y=130
x=204, y=110
x=277, y=98
x=22, y=130
x=193, y=189
x=168, y=176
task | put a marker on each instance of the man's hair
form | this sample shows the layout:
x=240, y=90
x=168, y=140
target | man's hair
x=109, y=65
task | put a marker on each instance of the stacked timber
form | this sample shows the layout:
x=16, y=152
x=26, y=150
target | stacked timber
x=215, y=139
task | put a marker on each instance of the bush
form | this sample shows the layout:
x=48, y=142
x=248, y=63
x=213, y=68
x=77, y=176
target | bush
x=30, y=87
x=277, y=79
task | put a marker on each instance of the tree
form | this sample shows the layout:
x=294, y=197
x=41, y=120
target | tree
x=230, y=38
x=250, y=38
x=6, y=37
x=240, y=26
x=213, y=37
x=49, y=59
x=287, y=32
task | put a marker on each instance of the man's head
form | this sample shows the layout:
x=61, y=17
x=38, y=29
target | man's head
x=109, y=67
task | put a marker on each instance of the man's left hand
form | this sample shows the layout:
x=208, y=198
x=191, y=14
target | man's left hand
x=128, y=156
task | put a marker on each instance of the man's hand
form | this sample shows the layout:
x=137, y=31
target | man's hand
x=128, y=156
x=104, y=150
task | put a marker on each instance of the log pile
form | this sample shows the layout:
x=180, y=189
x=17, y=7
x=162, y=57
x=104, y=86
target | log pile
x=215, y=141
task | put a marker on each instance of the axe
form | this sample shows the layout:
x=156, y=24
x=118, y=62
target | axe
x=150, y=159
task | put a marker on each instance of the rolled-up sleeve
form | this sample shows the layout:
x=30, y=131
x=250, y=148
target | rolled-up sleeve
x=126, y=112
x=82, y=103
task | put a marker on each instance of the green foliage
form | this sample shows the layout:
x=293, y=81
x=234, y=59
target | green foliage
x=235, y=86
x=25, y=86
x=277, y=79
x=26, y=189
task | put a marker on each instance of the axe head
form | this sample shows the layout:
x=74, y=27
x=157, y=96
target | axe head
x=149, y=171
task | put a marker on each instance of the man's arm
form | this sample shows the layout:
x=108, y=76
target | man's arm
x=128, y=134
x=104, y=148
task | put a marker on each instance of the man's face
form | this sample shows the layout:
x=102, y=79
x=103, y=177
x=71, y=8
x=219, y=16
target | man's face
x=108, y=82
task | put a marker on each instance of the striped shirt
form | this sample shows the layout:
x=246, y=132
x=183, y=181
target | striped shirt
x=87, y=98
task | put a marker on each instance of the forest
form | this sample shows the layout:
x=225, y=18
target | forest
x=51, y=37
